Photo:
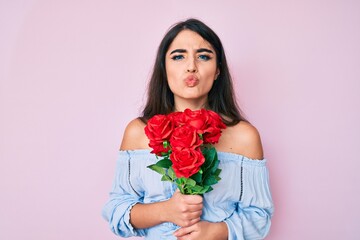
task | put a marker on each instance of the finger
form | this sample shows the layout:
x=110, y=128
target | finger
x=186, y=237
x=193, y=199
x=183, y=232
x=185, y=208
x=195, y=220
x=191, y=215
x=193, y=208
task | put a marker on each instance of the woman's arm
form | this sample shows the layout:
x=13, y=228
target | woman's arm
x=182, y=210
x=203, y=230
x=251, y=218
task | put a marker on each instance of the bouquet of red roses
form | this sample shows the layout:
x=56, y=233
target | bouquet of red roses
x=184, y=141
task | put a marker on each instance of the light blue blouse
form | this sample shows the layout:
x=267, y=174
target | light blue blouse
x=241, y=198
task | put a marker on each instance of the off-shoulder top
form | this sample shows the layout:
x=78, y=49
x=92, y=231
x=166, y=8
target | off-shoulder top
x=241, y=199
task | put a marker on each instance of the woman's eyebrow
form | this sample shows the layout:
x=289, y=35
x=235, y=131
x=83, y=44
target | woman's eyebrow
x=178, y=51
x=198, y=51
x=204, y=50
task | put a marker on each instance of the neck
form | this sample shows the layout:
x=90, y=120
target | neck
x=195, y=104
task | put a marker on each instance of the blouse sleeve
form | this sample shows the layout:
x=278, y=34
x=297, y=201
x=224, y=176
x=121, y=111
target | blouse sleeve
x=122, y=198
x=251, y=217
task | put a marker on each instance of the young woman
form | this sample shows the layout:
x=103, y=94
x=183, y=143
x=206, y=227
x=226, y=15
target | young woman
x=191, y=72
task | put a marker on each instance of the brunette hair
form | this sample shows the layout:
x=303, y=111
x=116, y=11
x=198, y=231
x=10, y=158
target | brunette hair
x=221, y=98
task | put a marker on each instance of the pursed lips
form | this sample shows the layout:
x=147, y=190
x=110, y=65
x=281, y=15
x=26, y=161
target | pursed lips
x=191, y=81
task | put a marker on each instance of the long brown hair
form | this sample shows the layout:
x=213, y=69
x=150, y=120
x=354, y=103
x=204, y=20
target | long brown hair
x=221, y=98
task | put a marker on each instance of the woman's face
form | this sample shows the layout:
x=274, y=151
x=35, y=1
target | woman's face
x=190, y=68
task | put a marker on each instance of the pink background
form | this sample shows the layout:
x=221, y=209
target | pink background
x=73, y=73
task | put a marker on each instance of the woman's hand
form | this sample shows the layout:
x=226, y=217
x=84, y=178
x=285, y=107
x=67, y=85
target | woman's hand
x=203, y=230
x=183, y=210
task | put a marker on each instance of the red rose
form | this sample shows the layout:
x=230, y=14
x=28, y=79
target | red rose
x=212, y=135
x=185, y=137
x=158, y=147
x=215, y=120
x=197, y=119
x=177, y=118
x=214, y=125
x=206, y=122
x=159, y=127
x=158, y=130
x=186, y=161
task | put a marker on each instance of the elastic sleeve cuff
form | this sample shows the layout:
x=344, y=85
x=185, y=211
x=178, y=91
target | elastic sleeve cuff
x=231, y=234
x=135, y=232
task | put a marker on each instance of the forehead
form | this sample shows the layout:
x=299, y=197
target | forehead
x=187, y=39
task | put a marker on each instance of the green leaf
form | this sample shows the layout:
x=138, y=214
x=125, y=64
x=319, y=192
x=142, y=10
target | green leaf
x=197, y=177
x=203, y=190
x=180, y=181
x=217, y=172
x=180, y=185
x=209, y=189
x=164, y=163
x=197, y=188
x=171, y=173
x=215, y=165
x=212, y=152
x=157, y=169
x=210, y=155
x=210, y=180
x=165, y=154
x=166, y=178
x=190, y=182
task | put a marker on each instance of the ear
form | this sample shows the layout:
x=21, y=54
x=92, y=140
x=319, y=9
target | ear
x=217, y=73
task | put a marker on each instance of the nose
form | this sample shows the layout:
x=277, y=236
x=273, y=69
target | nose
x=191, y=68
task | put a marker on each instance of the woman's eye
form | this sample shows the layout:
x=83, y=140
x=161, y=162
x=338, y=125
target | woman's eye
x=177, y=57
x=204, y=57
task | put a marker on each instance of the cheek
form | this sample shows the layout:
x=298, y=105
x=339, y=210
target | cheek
x=209, y=73
x=209, y=77
x=173, y=74
x=170, y=73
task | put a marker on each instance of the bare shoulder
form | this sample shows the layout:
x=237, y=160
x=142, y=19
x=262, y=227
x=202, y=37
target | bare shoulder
x=244, y=139
x=134, y=136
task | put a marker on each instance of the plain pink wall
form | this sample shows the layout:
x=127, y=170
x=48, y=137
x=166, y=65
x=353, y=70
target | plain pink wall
x=73, y=73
